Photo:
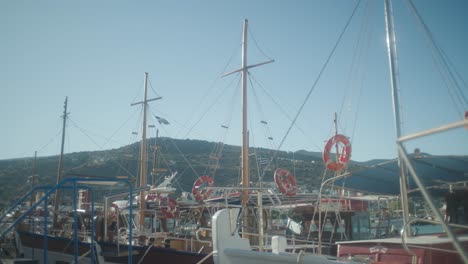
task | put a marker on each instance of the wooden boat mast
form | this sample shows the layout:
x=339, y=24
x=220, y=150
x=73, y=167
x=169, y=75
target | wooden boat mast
x=143, y=153
x=143, y=157
x=60, y=165
x=245, y=132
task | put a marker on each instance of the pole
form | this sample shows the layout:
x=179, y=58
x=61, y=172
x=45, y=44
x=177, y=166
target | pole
x=143, y=153
x=31, y=201
x=59, y=172
x=245, y=142
x=143, y=159
x=393, y=66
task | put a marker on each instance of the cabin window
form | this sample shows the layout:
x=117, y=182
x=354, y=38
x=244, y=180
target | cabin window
x=328, y=225
x=360, y=226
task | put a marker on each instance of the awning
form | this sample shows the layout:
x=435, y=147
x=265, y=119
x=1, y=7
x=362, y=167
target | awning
x=436, y=172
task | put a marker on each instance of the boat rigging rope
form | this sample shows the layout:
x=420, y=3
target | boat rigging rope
x=216, y=153
x=444, y=60
x=182, y=154
x=222, y=92
x=256, y=44
x=100, y=147
x=146, y=252
x=317, y=79
x=358, y=65
x=260, y=109
x=151, y=86
x=121, y=126
x=280, y=107
x=84, y=132
x=267, y=131
x=51, y=140
x=209, y=91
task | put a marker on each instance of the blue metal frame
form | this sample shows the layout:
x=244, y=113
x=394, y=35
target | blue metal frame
x=53, y=189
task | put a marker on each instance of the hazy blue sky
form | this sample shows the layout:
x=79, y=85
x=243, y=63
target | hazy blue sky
x=96, y=53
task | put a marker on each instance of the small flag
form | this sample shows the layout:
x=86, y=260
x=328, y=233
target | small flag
x=162, y=120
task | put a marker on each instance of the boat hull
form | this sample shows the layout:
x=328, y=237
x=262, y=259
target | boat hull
x=427, y=249
x=62, y=250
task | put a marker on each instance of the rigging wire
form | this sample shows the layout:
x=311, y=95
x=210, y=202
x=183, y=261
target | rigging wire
x=268, y=133
x=318, y=78
x=119, y=128
x=50, y=140
x=353, y=74
x=209, y=108
x=262, y=113
x=100, y=147
x=256, y=44
x=84, y=132
x=363, y=78
x=151, y=86
x=444, y=60
x=230, y=111
x=182, y=154
x=209, y=91
x=219, y=146
x=280, y=107
x=138, y=91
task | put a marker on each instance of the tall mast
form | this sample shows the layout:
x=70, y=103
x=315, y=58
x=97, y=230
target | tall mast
x=33, y=177
x=393, y=65
x=143, y=153
x=143, y=157
x=155, y=150
x=59, y=172
x=245, y=132
x=245, y=135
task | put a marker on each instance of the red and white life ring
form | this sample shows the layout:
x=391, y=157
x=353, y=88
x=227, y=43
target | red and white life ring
x=201, y=194
x=285, y=182
x=168, y=207
x=343, y=158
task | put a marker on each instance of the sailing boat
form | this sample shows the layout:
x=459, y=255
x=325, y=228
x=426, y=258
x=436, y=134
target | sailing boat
x=229, y=247
x=154, y=241
x=447, y=247
x=84, y=234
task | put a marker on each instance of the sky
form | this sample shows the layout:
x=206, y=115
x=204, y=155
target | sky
x=96, y=53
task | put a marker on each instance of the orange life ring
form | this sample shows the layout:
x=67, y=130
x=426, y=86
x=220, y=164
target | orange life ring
x=168, y=207
x=344, y=156
x=285, y=182
x=202, y=194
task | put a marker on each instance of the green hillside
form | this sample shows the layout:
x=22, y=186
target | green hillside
x=190, y=158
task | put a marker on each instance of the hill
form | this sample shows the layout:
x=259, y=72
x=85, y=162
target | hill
x=190, y=158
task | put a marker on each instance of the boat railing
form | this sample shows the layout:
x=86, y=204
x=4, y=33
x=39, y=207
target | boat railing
x=407, y=226
x=73, y=183
x=189, y=242
x=227, y=192
x=202, y=229
x=412, y=172
x=294, y=243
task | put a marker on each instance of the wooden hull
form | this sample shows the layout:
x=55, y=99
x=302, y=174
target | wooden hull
x=63, y=250
x=391, y=250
